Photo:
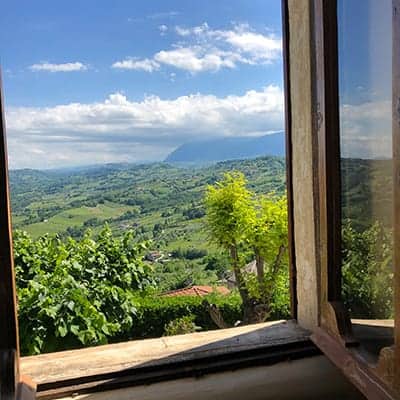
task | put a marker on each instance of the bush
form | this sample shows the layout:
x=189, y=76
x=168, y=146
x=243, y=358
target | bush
x=180, y=326
x=189, y=254
x=153, y=314
x=194, y=213
x=77, y=293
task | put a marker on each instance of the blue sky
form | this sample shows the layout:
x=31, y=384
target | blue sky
x=106, y=81
x=365, y=78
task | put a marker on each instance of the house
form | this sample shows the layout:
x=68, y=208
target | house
x=197, y=290
x=230, y=280
x=154, y=256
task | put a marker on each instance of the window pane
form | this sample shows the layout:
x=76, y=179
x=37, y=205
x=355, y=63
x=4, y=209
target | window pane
x=365, y=93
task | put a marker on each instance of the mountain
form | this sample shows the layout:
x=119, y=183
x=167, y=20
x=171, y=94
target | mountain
x=229, y=149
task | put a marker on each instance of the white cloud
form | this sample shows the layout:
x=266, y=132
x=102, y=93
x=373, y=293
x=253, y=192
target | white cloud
x=205, y=49
x=258, y=47
x=118, y=129
x=135, y=64
x=197, y=59
x=163, y=29
x=253, y=47
x=65, y=67
x=366, y=130
x=196, y=30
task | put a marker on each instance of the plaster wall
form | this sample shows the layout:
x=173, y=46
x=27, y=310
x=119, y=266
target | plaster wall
x=306, y=379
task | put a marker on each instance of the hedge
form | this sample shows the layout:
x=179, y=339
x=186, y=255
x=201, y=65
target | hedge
x=153, y=313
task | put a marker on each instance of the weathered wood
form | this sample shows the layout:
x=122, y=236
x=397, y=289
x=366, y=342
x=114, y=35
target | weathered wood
x=396, y=181
x=72, y=364
x=155, y=360
x=289, y=152
x=359, y=373
x=303, y=161
x=8, y=314
x=323, y=58
x=326, y=121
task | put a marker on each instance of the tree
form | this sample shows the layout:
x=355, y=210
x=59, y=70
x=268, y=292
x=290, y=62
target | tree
x=239, y=222
x=229, y=216
x=268, y=238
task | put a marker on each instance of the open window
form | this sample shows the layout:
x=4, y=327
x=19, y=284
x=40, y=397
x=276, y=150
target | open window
x=356, y=114
x=342, y=63
x=196, y=49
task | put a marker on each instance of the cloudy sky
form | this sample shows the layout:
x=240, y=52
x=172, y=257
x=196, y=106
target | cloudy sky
x=99, y=81
x=365, y=78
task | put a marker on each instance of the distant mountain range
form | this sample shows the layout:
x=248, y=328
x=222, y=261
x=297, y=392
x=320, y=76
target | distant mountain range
x=232, y=148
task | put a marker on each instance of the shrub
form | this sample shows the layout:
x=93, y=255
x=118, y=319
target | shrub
x=180, y=326
x=153, y=313
x=73, y=293
x=189, y=254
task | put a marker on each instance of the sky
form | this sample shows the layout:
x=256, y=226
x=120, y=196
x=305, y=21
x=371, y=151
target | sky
x=365, y=78
x=89, y=82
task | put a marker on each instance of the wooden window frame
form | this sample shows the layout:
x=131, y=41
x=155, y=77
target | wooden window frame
x=12, y=384
x=9, y=343
x=334, y=334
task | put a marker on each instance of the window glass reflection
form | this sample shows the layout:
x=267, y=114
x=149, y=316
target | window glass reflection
x=365, y=92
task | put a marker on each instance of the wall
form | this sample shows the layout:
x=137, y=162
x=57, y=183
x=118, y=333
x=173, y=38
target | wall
x=311, y=378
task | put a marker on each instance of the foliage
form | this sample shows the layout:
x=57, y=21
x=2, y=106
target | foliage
x=219, y=263
x=189, y=254
x=229, y=211
x=177, y=274
x=268, y=237
x=246, y=225
x=52, y=201
x=269, y=228
x=181, y=326
x=367, y=271
x=155, y=312
x=74, y=293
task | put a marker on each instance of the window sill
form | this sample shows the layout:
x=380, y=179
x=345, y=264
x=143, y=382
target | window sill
x=153, y=360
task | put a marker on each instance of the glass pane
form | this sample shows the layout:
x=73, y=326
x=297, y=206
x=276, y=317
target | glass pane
x=365, y=93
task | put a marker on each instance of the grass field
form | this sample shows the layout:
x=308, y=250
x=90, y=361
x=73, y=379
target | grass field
x=76, y=217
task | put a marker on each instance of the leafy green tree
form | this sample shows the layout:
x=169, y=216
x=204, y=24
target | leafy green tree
x=229, y=216
x=268, y=238
x=240, y=222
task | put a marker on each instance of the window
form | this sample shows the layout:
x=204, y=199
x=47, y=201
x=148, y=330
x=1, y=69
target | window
x=187, y=58
x=365, y=108
x=355, y=45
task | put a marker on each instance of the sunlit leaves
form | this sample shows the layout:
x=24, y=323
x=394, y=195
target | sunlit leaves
x=255, y=226
x=77, y=292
